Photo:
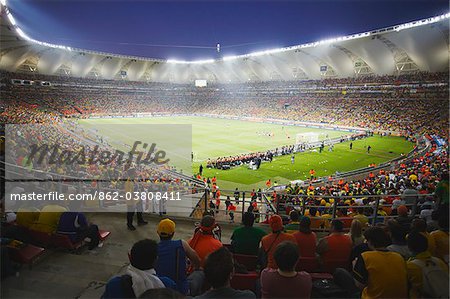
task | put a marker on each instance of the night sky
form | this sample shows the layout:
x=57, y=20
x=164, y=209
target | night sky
x=190, y=30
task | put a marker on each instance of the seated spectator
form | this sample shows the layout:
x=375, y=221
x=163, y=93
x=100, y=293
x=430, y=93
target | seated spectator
x=440, y=237
x=292, y=227
x=403, y=219
x=246, y=239
x=172, y=256
x=140, y=275
x=270, y=242
x=361, y=217
x=76, y=226
x=274, y=282
x=398, y=239
x=203, y=241
x=306, y=239
x=427, y=275
x=48, y=219
x=419, y=225
x=218, y=272
x=356, y=233
x=379, y=272
x=335, y=247
x=27, y=216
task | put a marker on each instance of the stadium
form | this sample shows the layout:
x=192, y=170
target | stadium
x=322, y=166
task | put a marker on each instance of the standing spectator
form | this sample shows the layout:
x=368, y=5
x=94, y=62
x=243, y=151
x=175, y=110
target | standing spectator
x=270, y=242
x=130, y=187
x=306, y=239
x=231, y=210
x=227, y=204
x=337, y=246
x=203, y=241
x=274, y=282
x=236, y=195
x=218, y=270
x=200, y=169
x=172, y=256
x=379, y=272
x=246, y=239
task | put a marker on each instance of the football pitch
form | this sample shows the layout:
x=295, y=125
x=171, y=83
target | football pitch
x=214, y=137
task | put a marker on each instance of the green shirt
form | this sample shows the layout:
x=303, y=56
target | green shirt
x=245, y=240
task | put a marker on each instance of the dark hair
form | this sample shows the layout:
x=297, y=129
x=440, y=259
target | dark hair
x=294, y=215
x=377, y=237
x=417, y=242
x=397, y=232
x=305, y=225
x=218, y=267
x=337, y=225
x=312, y=212
x=419, y=225
x=286, y=256
x=207, y=221
x=248, y=219
x=161, y=293
x=143, y=254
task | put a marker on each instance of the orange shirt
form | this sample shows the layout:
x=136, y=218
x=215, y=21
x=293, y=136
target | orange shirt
x=270, y=242
x=205, y=245
x=339, y=248
x=307, y=244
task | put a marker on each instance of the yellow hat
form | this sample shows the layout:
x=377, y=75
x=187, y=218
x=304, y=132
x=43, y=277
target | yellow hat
x=166, y=227
x=323, y=202
x=331, y=200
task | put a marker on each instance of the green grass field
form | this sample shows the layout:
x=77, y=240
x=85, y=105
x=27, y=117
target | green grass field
x=212, y=138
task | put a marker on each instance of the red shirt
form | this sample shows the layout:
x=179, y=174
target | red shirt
x=273, y=285
x=270, y=242
x=307, y=244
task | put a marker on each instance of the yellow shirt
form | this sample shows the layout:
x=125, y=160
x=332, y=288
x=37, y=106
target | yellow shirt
x=48, y=219
x=441, y=242
x=415, y=275
x=386, y=275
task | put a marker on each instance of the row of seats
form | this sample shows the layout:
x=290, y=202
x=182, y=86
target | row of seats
x=247, y=281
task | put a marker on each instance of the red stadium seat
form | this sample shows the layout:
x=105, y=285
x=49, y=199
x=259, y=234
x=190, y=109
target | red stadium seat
x=40, y=238
x=27, y=254
x=63, y=241
x=244, y=281
x=103, y=234
x=249, y=261
x=308, y=264
x=331, y=265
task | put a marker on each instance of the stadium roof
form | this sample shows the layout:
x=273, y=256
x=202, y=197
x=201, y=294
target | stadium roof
x=421, y=45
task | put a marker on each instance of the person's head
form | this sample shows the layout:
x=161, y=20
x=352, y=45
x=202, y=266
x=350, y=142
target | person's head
x=356, y=228
x=143, y=254
x=276, y=223
x=305, y=225
x=207, y=224
x=166, y=229
x=248, y=219
x=294, y=216
x=286, y=256
x=417, y=242
x=402, y=211
x=419, y=225
x=376, y=237
x=219, y=268
x=337, y=226
x=396, y=231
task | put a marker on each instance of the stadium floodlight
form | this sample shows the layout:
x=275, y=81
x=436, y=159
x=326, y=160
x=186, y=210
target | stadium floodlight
x=228, y=58
x=3, y=2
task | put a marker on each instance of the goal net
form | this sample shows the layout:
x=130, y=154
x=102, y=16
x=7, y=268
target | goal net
x=307, y=137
